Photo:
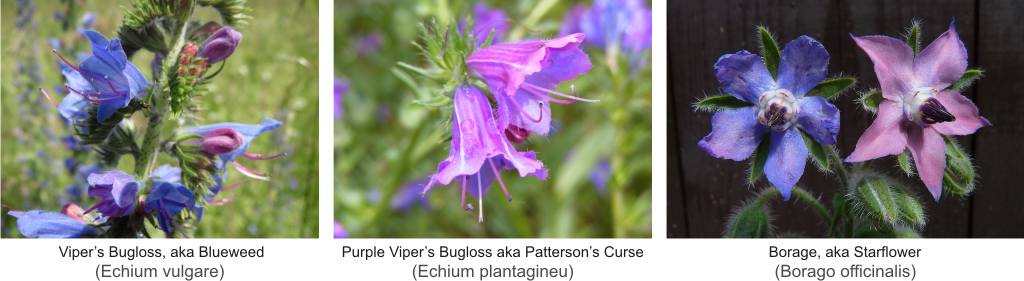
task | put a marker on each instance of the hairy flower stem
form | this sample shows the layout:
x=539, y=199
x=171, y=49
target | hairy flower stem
x=158, y=110
x=839, y=168
x=800, y=193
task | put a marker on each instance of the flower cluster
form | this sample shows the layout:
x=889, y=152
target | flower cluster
x=105, y=90
x=778, y=114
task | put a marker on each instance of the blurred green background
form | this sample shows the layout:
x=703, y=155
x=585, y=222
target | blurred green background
x=273, y=74
x=384, y=141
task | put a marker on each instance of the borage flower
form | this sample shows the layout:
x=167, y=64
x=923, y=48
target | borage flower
x=106, y=78
x=479, y=146
x=231, y=140
x=117, y=191
x=918, y=109
x=780, y=108
x=523, y=74
x=169, y=199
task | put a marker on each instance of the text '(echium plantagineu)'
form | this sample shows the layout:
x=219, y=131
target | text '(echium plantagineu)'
x=778, y=113
x=106, y=89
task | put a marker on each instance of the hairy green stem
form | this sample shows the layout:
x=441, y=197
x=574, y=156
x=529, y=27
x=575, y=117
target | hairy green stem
x=814, y=204
x=766, y=196
x=159, y=108
x=840, y=169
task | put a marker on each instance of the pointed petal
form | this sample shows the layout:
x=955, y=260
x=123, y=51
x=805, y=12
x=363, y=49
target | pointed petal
x=929, y=151
x=819, y=118
x=743, y=76
x=786, y=160
x=101, y=50
x=943, y=62
x=886, y=136
x=893, y=63
x=563, y=65
x=735, y=133
x=967, y=118
x=804, y=64
x=505, y=66
x=248, y=132
x=51, y=225
x=73, y=108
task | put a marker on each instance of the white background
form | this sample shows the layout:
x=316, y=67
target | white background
x=676, y=259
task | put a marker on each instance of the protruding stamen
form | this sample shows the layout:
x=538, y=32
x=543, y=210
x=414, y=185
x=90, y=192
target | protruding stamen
x=498, y=176
x=572, y=88
x=255, y=156
x=933, y=112
x=48, y=98
x=470, y=206
x=516, y=103
x=248, y=172
x=445, y=46
x=464, y=179
x=235, y=185
x=104, y=201
x=773, y=115
x=218, y=202
x=112, y=87
x=12, y=209
x=480, y=192
x=87, y=96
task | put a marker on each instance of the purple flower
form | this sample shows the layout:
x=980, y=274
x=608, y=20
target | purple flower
x=523, y=74
x=117, y=191
x=167, y=173
x=476, y=141
x=71, y=143
x=411, y=193
x=169, y=199
x=341, y=86
x=339, y=230
x=613, y=24
x=106, y=78
x=226, y=131
x=780, y=109
x=220, y=45
x=485, y=20
x=367, y=44
x=42, y=224
x=599, y=175
x=918, y=109
x=88, y=18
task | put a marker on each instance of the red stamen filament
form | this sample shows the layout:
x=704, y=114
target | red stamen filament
x=498, y=175
x=48, y=98
x=464, y=179
x=86, y=96
x=85, y=73
x=255, y=156
x=516, y=103
x=234, y=186
x=112, y=87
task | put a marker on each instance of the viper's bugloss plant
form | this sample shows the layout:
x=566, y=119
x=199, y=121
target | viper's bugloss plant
x=917, y=107
x=493, y=97
x=104, y=90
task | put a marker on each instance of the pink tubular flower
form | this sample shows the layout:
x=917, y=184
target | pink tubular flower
x=918, y=109
x=523, y=74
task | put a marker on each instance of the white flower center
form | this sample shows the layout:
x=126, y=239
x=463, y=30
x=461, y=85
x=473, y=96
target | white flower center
x=921, y=107
x=778, y=109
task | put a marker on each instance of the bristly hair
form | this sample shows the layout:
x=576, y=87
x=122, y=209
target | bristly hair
x=860, y=100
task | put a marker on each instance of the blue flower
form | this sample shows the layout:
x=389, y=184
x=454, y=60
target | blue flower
x=167, y=173
x=780, y=109
x=117, y=191
x=248, y=133
x=106, y=78
x=612, y=24
x=411, y=193
x=169, y=199
x=52, y=225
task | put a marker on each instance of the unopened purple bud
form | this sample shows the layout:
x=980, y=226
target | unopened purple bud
x=933, y=112
x=516, y=134
x=220, y=45
x=221, y=140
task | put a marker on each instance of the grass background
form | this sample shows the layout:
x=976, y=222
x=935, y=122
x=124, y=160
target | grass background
x=273, y=74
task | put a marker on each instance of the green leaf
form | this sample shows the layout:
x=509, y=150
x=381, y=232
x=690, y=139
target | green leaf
x=816, y=151
x=966, y=80
x=904, y=161
x=911, y=210
x=914, y=37
x=770, y=52
x=760, y=157
x=832, y=88
x=871, y=100
x=876, y=202
x=721, y=102
x=953, y=149
x=752, y=221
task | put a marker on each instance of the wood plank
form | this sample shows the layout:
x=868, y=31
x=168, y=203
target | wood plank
x=998, y=211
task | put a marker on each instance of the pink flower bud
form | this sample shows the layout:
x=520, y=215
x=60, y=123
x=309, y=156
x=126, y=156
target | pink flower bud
x=221, y=140
x=220, y=45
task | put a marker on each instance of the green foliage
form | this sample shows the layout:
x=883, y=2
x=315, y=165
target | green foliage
x=721, y=102
x=886, y=204
x=830, y=89
x=958, y=178
x=966, y=80
x=232, y=12
x=816, y=151
x=769, y=51
x=760, y=157
x=914, y=37
x=750, y=221
x=905, y=162
x=871, y=100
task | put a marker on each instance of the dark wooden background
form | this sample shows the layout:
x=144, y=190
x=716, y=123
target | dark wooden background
x=702, y=189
